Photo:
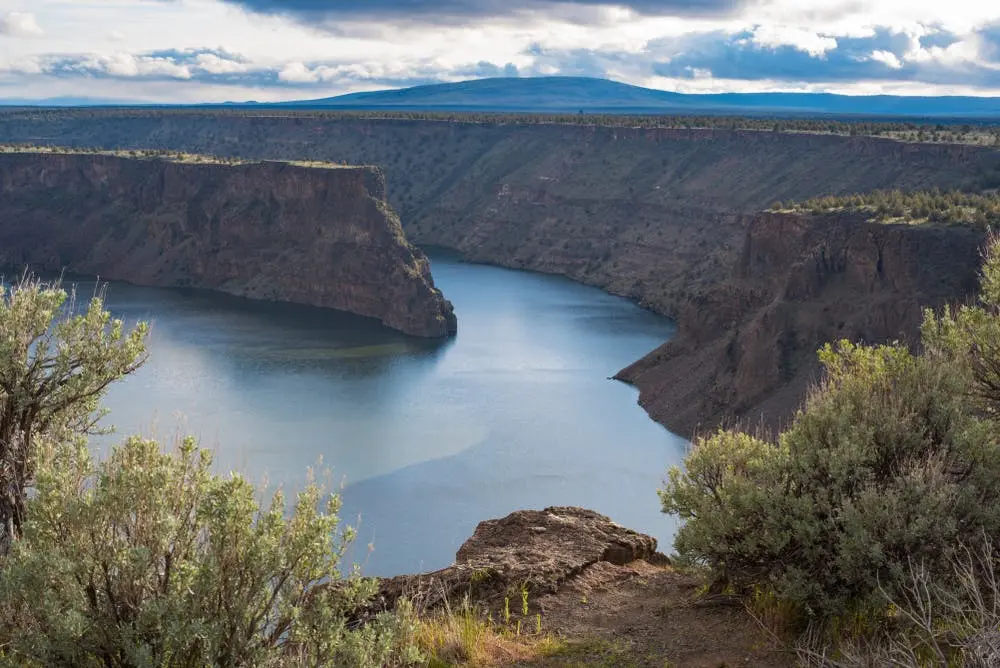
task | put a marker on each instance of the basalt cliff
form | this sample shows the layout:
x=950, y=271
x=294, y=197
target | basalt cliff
x=317, y=235
x=659, y=215
x=746, y=347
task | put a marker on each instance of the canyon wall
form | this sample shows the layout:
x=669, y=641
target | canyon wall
x=745, y=349
x=656, y=215
x=310, y=235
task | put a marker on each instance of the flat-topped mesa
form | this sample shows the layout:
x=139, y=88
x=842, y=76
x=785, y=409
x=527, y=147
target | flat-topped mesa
x=321, y=235
x=746, y=347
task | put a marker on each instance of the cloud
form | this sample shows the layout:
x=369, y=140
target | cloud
x=485, y=69
x=988, y=37
x=887, y=58
x=216, y=65
x=788, y=59
x=19, y=24
x=807, y=41
x=450, y=11
x=299, y=73
x=287, y=49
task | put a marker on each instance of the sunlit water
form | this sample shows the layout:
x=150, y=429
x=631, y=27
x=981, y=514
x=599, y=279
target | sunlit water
x=429, y=437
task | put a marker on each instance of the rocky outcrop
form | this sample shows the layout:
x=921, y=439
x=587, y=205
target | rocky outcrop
x=577, y=575
x=539, y=551
x=317, y=235
x=745, y=350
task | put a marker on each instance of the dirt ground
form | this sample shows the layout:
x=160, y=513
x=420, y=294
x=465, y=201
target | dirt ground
x=648, y=615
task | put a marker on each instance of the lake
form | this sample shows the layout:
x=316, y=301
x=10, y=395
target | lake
x=427, y=438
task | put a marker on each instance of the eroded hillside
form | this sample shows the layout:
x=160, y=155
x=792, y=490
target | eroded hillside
x=312, y=235
x=658, y=215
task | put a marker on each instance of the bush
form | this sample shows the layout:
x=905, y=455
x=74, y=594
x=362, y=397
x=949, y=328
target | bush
x=885, y=463
x=893, y=460
x=944, y=621
x=149, y=559
x=56, y=362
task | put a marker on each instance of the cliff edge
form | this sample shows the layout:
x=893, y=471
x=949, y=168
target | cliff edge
x=317, y=235
x=745, y=349
x=601, y=588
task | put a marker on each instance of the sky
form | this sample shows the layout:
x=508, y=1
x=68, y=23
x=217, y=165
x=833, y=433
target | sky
x=270, y=50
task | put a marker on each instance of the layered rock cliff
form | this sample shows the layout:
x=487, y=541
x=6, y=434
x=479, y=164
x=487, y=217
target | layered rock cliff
x=318, y=235
x=657, y=215
x=745, y=349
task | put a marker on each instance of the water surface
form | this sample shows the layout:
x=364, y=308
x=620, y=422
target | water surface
x=430, y=437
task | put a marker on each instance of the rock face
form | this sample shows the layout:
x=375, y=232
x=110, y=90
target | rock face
x=322, y=236
x=746, y=349
x=657, y=215
x=538, y=550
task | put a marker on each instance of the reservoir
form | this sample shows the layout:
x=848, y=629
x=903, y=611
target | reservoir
x=423, y=438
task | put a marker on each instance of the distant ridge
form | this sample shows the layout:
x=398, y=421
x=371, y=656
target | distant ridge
x=589, y=95
x=572, y=95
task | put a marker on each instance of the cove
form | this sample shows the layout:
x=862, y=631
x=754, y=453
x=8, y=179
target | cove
x=424, y=438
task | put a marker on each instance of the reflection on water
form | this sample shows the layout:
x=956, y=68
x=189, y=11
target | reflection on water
x=430, y=436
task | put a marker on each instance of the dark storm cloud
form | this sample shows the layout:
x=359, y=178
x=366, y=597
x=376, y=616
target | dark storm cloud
x=451, y=11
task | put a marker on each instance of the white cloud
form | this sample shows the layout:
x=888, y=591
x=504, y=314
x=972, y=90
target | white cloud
x=213, y=64
x=963, y=51
x=297, y=72
x=127, y=65
x=19, y=24
x=21, y=66
x=803, y=39
x=887, y=58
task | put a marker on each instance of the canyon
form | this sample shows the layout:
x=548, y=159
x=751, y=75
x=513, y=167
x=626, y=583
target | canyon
x=666, y=217
x=317, y=235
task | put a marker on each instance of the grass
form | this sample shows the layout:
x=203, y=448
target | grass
x=467, y=637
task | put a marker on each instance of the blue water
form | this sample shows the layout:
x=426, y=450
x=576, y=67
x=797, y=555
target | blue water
x=426, y=437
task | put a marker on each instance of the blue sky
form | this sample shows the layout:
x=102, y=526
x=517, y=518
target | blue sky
x=217, y=50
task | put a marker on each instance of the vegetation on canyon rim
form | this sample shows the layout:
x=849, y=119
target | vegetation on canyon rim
x=880, y=502
x=913, y=207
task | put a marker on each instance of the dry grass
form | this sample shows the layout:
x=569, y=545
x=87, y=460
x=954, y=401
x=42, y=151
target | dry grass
x=467, y=637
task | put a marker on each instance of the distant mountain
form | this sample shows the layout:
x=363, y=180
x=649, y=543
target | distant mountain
x=575, y=94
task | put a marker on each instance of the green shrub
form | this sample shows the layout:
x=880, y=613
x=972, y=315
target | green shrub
x=56, y=362
x=150, y=559
x=884, y=464
x=893, y=460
